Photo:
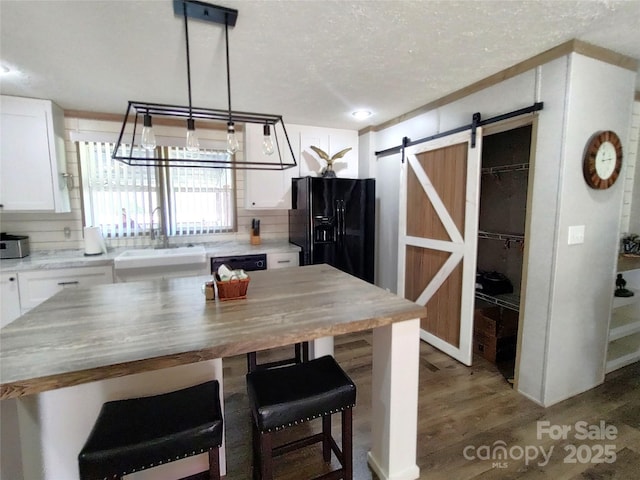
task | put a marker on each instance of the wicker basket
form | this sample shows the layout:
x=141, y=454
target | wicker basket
x=232, y=289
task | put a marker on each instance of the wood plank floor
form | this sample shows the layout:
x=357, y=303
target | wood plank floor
x=462, y=409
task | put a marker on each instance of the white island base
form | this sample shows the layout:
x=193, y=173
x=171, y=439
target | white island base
x=54, y=425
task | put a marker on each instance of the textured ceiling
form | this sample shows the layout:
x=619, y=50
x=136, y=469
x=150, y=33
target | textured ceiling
x=311, y=61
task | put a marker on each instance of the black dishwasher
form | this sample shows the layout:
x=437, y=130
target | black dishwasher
x=248, y=263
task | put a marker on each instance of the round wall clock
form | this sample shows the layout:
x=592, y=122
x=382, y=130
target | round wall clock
x=602, y=160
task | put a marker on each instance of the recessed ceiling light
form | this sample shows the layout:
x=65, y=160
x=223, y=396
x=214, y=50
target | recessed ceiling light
x=361, y=114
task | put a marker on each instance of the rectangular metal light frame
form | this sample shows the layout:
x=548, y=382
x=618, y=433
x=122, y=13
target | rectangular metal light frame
x=136, y=111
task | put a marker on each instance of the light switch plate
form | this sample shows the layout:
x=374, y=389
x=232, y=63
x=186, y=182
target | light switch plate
x=576, y=234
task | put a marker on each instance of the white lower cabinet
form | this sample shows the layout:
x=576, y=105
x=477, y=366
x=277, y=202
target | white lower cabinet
x=624, y=330
x=38, y=285
x=9, y=298
x=282, y=260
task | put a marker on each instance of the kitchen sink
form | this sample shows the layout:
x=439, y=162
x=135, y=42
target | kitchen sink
x=160, y=257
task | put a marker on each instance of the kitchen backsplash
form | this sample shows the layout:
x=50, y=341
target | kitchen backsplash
x=46, y=231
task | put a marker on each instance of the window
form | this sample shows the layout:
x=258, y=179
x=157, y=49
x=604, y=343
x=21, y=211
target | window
x=131, y=201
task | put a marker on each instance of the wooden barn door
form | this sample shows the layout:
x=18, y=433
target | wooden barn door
x=438, y=232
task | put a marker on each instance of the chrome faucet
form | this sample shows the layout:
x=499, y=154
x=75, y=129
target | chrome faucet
x=153, y=235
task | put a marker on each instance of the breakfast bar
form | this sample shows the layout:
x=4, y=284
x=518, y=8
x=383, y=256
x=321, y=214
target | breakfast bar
x=153, y=331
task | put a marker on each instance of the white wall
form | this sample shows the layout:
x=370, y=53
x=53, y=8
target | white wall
x=599, y=97
x=541, y=231
x=554, y=318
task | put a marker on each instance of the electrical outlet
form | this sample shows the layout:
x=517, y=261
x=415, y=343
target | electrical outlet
x=576, y=234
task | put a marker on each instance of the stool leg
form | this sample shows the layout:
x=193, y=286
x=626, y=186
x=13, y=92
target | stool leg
x=214, y=464
x=266, y=456
x=252, y=361
x=326, y=438
x=255, y=440
x=347, y=443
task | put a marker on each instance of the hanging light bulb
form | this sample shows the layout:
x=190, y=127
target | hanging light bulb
x=267, y=141
x=232, y=140
x=193, y=144
x=148, y=140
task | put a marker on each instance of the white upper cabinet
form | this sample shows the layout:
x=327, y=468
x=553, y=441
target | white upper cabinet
x=268, y=189
x=32, y=156
x=331, y=141
x=272, y=189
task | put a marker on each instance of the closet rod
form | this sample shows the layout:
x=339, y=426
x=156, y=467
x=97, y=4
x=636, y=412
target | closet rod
x=476, y=122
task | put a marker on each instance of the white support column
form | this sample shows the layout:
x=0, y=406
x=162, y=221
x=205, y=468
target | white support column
x=394, y=415
x=320, y=347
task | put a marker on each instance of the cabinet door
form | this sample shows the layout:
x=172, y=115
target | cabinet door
x=9, y=298
x=37, y=286
x=267, y=189
x=331, y=141
x=282, y=260
x=31, y=151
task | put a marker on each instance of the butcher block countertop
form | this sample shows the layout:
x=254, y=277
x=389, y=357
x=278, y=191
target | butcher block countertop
x=94, y=333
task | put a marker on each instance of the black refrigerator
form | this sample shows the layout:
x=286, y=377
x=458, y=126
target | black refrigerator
x=333, y=221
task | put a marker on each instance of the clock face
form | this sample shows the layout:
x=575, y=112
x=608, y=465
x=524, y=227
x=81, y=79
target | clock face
x=606, y=160
x=602, y=160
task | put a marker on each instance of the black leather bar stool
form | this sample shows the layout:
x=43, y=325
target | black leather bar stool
x=286, y=396
x=140, y=433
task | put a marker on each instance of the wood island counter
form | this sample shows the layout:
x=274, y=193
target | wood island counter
x=90, y=335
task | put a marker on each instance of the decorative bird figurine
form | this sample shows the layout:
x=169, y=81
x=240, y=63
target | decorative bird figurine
x=620, y=290
x=328, y=172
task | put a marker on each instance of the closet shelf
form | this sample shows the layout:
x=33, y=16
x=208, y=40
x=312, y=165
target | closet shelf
x=507, y=300
x=624, y=329
x=500, y=236
x=623, y=351
x=506, y=168
x=622, y=301
x=623, y=326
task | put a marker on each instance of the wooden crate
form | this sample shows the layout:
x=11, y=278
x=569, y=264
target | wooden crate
x=493, y=348
x=498, y=322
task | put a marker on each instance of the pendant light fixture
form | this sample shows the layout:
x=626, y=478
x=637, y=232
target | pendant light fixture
x=148, y=140
x=192, y=143
x=267, y=141
x=275, y=137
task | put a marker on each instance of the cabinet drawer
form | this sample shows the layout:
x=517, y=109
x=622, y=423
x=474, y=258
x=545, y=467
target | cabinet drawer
x=36, y=286
x=282, y=260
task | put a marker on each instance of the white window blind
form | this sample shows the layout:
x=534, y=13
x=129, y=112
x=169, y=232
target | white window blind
x=201, y=199
x=127, y=201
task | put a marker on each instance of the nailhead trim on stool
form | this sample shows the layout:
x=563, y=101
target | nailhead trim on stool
x=139, y=433
x=287, y=396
